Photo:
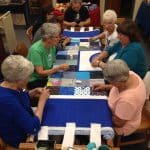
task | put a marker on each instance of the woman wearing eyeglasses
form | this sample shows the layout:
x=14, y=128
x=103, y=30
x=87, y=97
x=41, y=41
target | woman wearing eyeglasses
x=43, y=53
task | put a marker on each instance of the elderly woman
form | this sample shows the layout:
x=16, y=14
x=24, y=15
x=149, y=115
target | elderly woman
x=76, y=15
x=42, y=54
x=126, y=97
x=128, y=49
x=17, y=120
x=110, y=34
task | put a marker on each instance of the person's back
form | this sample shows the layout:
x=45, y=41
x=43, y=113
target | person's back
x=14, y=122
x=127, y=105
x=133, y=54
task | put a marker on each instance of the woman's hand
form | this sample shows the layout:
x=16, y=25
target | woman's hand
x=95, y=62
x=73, y=24
x=99, y=87
x=66, y=41
x=35, y=91
x=44, y=94
x=64, y=67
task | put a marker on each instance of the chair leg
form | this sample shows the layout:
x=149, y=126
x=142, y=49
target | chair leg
x=117, y=140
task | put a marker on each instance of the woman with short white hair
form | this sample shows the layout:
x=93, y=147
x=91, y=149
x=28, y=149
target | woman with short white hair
x=110, y=34
x=17, y=120
x=126, y=98
x=43, y=53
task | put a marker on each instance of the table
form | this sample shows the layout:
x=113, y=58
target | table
x=72, y=98
x=18, y=8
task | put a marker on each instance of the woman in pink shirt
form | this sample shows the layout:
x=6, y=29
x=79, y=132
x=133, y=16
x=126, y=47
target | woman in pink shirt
x=126, y=97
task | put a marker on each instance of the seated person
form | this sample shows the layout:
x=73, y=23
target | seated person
x=43, y=53
x=46, y=14
x=76, y=15
x=126, y=98
x=109, y=34
x=17, y=120
x=128, y=49
x=62, y=43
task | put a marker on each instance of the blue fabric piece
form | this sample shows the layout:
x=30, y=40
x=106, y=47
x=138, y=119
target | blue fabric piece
x=57, y=75
x=81, y=34
x=82, y=75
x=61, y=55
x=74, y=43
x=16, y=117
x=82, y=111
x=66, y=91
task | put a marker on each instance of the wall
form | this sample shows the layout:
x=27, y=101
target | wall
x=136, y=7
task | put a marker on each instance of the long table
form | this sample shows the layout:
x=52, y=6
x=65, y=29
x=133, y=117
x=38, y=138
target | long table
x=72, y=97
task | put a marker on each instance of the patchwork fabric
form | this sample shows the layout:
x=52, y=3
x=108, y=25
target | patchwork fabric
x=73, y=81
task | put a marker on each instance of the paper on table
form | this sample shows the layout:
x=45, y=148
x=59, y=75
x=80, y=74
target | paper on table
x=43, y=133
x=72, y=29
x=82, y=29
x=69, y=135
x=84, y=61
x=90, y=28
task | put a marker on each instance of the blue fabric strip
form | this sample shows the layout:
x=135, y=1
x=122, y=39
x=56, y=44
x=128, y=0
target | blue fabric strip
x=81, y=34
x=83, y=112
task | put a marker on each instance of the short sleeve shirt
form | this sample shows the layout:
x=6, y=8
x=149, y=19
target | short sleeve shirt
x=127, y=105
x=40, y=56
x=73, y=16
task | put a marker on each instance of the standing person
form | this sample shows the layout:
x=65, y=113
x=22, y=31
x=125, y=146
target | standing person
x=109, y=34
x=43, y=53
x=17, y=120
x=126, y=98
x=46, y=14
x=128, y=48
x=76, y=15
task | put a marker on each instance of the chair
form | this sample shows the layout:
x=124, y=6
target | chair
x=147, y=84
x=6, y=24
x=21, y=49
x=120, y=20
x=29, y=33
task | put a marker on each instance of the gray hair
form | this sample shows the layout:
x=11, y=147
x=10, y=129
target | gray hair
x=116, y=71
x=49, y=30
x=16, y=67
x=73, y=1
x=110, y=15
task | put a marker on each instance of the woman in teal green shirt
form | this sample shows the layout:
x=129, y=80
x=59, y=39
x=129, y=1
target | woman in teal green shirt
x=42, y=54
x=128, y=49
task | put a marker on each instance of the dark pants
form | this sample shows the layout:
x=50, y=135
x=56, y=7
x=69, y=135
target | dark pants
x=37, y=83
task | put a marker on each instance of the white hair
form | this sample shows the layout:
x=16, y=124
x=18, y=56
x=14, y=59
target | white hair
x=50, y=30
x=110, y=15
x=116, y=70
x=16, y=67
